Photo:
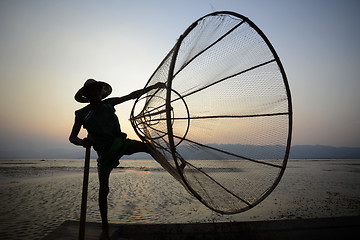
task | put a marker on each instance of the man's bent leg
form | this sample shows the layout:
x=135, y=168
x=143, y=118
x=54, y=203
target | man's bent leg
x=137, y=146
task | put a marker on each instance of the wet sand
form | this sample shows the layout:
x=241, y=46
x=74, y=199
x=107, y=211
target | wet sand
x=33, y=207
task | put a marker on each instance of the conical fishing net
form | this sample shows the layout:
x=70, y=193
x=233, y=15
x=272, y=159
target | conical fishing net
x=222, y=126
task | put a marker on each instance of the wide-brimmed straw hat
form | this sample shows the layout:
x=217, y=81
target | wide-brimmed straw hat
x=80, y=96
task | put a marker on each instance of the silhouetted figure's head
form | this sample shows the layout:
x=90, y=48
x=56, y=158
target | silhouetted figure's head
x=93, y=91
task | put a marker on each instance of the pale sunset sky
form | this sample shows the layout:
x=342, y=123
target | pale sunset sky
x=48, y=48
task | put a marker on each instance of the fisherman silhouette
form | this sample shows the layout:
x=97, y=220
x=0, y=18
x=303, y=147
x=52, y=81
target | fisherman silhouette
x=104, y=132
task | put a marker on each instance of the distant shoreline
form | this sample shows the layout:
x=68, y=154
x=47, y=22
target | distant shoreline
x=296, y=152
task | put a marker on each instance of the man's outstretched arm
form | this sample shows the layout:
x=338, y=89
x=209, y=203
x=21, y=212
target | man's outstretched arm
x=135, y=94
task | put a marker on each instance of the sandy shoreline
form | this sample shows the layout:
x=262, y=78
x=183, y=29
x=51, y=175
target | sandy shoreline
x=35, y=206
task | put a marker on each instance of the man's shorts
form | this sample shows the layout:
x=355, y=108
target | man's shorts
x=110, y=158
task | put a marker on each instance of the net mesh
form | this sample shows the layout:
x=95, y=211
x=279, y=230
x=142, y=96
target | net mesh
x=230, y=113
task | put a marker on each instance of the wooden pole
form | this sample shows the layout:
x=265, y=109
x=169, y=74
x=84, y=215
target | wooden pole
x=84, y=195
